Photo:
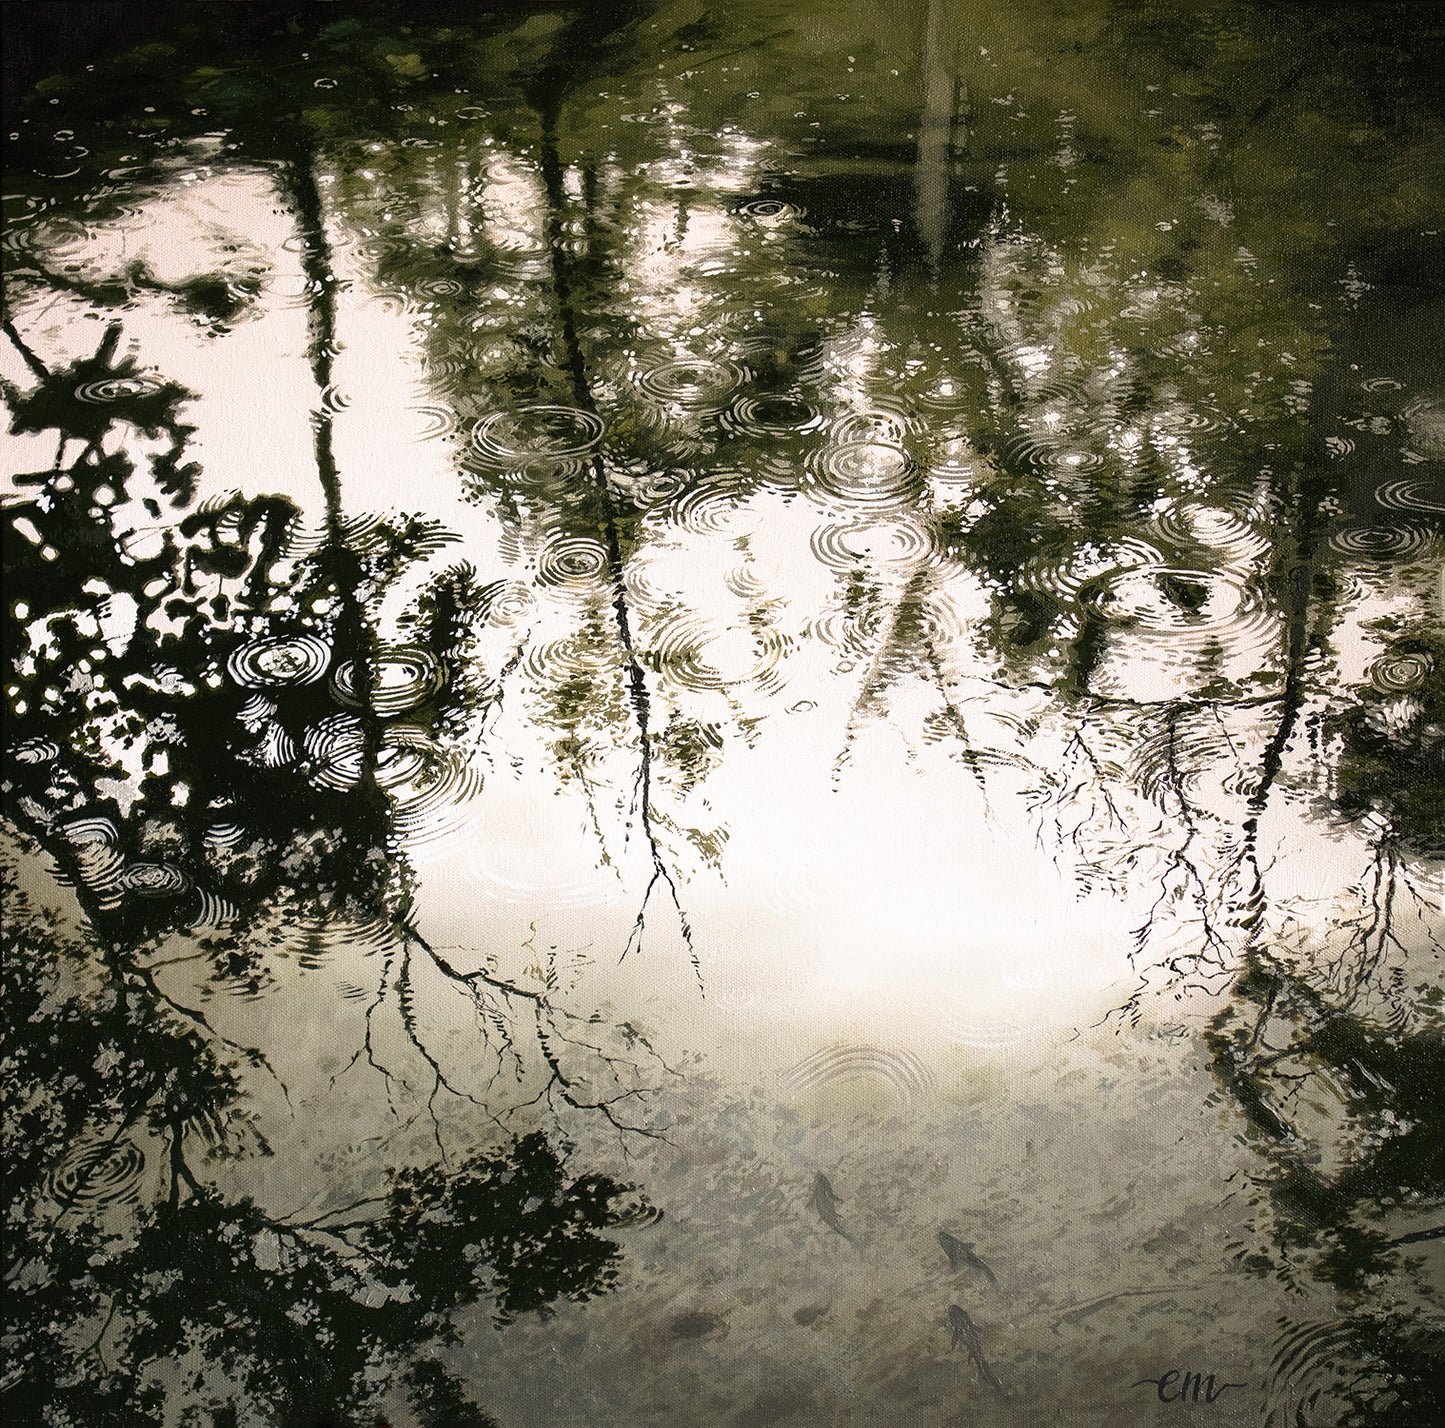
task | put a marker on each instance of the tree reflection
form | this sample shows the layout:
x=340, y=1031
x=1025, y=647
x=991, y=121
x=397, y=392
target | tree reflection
x=302, y=1320
x=206, y=737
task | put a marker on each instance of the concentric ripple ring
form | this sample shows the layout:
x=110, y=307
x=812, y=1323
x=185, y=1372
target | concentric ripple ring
x=544, y=432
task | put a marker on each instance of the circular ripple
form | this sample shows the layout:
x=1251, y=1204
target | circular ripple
x=438, y=422
x=511, y=878
x=1395, y=673
x=645, y=576
x=1170, y=763
x=847, y=631
x=573, y=562
x=715, y=507
x=773, y=416
x=946, y=394
x=280, y=662
x=990, y=1035
x=1066, y=577
x=398, y=678
x=771, y=211
x=1047, y=452
x=91, y=833
x=294, y=291
x=546, y=432
x=865, y=473
x=1421, y=494
x=640, y=1214
x=945, y=617
x=1307, y=1356
x=154, y=880
x=220, y=836
x=1169, y=616
x=655, y=489
x=872, y=545
x=256, y=713
x=507, y=603
x=439, y=287
x=336, y=749
x=902, y=1071
x=578, y=657
x=377, y=535
x=876, y=424
x=694, y=654
x=956, y=464
x=276, y=750
x=428, y=784
x=1383, y=542
x=745, y=582
x=697, y=384
x=1193, y=524
x=364, y=927
x=213, y=911
x=99, y=862
x=563, y=483
x=810, y=361
x=99, y=1172
x=1175, y=419
x=117, y=389
x=36, y=751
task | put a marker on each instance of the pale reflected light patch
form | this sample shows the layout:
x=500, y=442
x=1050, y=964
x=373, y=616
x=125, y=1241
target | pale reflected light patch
x=710, y=229
x=739, y=162
x=1035, y=361
x=658, y=283
x=850, y=357
x=204, y=223
x=513, y=203
x=379, y=436
x=873, y=904
x=541, y=860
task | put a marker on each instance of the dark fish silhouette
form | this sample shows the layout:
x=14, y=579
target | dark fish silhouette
x=961, y=1256
x=964, y=1333
x=825, y=1201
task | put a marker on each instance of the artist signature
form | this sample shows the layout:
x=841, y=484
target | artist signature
x=1185, y=1386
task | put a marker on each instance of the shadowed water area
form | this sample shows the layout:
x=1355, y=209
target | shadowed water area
x=725, y=716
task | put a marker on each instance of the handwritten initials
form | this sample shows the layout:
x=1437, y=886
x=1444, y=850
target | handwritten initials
x=1193, y=1387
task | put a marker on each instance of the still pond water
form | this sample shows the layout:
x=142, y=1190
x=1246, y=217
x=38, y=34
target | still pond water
x=727, y=717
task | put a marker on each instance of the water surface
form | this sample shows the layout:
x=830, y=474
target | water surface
x=727, y=716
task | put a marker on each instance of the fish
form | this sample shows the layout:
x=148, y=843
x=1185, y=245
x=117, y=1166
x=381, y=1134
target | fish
x=964, y=1333
x=825, y=1201
x=961, y=1256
